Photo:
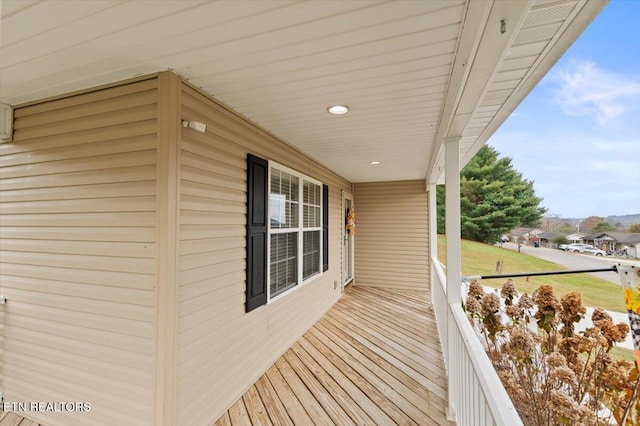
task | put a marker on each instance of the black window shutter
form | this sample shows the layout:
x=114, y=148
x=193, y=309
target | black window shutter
x=257, y=175
x=325, y=227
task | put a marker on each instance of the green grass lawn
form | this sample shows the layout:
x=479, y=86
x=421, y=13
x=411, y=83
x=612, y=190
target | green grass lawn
x=480, y=259
x=623, y=353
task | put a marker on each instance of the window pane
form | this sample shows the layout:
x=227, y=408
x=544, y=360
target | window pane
x=311, y=207
x=311, y=193
x=283, y=201
x=311, y=216
x=284, y=248
x=311, y=254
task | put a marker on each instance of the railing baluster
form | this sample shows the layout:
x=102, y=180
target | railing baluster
x=481, y=399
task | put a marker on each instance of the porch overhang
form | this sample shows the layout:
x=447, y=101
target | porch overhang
x=424, y=81
x=413, y=73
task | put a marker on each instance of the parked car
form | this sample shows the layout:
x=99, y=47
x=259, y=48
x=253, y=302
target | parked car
x=563, y=246
x=576, y=247
x=593, y=250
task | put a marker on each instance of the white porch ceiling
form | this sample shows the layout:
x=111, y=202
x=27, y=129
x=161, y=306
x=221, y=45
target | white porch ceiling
x=413, y=72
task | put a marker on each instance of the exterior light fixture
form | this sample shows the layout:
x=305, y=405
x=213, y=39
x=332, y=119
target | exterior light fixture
x=503, y=27
x=6, y=122
x=338, y=109
x=374, y=163
x=195, y=125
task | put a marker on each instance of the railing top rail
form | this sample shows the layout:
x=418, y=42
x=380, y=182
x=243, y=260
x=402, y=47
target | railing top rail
x=537, y=274
x=442, y=279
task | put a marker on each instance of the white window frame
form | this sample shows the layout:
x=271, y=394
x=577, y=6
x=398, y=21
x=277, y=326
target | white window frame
x=300, y=229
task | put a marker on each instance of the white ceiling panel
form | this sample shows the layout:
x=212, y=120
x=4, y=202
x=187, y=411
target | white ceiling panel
x=17, y=27
x=11, y=7
x=402, y=66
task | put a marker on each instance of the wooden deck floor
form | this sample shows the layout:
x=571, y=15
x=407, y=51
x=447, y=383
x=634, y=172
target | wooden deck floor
x=8, y=418
x=373, y=359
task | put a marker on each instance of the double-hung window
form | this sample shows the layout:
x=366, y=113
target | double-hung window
x=287, y=230
x=295, y=229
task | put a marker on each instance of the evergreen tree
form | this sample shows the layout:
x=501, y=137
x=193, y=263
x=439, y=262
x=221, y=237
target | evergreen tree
x=495, y=198
x=589, y=224
x=603, y=227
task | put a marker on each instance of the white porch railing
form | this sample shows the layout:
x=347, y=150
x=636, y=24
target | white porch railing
x=477, y=396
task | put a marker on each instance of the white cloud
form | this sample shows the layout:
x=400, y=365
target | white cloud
x=578, y=172
x=588, y=90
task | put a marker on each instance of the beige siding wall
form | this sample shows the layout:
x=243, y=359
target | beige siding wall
x=392, y=234
x=221, y=349
x=78, y=268
x=87, y=265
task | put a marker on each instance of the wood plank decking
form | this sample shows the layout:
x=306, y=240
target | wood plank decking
x=8, y=418
x=373, y=359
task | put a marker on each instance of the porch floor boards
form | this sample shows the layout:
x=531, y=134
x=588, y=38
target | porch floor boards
x=374, y=359
x=8, y=418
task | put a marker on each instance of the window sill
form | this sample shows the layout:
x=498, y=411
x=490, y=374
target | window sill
x=294, y=288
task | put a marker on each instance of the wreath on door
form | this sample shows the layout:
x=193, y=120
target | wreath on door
x=350, y=224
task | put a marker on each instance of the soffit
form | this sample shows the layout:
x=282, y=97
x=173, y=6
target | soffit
x=547, y=31
x=281, y=64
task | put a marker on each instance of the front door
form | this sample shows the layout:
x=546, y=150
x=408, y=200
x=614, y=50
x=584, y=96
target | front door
x=347, y=240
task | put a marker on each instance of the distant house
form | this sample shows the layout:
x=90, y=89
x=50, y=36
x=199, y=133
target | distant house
x=546, y=238
x=526, y=234
x=575, y=238
x=612, y=241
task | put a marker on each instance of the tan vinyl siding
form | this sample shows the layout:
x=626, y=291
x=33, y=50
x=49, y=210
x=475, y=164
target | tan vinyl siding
x=392, y=234
x=123, y=257
x=78, y=255
x=221, y=349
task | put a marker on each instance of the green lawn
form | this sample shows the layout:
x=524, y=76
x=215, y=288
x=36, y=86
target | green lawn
x=623, y=353
x=480, y=259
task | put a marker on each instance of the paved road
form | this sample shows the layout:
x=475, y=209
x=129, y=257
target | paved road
x=573, y=260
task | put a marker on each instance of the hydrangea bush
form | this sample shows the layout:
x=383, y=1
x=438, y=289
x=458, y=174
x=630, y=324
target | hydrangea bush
x=554, y=375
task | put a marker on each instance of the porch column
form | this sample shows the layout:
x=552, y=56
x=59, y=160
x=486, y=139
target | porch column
x=452, y=217
x=454, y=263
x=433, y=227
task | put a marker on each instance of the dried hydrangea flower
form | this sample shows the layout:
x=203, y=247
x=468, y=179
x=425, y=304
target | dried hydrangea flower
x=599, y=315
x=545, y=300
x=563, y=374
x=475, y=290
x=512, y=386
x=548, y=306
x=571, y=312
x=560, y=402
x=555, y=360
x=490, y=304
x=525, y=302
x=514, y=313
x=610, y=331
x=473, y=306
x=617, y=375
x=509, y=292
x=571, y=307
x=521, y=344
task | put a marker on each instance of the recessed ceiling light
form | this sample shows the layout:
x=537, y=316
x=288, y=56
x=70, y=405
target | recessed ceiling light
x=373, y=163
x=338, y=109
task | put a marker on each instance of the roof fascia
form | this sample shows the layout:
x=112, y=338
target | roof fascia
x=575, y=24
x=474, y=21
x=482, y=47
